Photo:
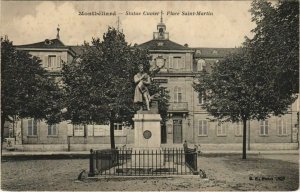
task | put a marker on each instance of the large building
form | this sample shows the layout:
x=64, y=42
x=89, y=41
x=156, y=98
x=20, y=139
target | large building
x=187, y=118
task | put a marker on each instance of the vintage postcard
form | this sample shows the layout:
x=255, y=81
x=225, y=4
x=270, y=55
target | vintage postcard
x=131, y=95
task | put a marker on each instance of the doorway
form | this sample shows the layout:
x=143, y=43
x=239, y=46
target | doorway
x=177, y=127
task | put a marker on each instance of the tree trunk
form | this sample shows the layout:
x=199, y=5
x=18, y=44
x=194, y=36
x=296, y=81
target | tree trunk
x=2, y=128
x=85, y=133
x=244, y=137
x=112, y=134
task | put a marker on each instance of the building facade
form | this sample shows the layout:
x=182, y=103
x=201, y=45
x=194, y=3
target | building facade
x=187, y=119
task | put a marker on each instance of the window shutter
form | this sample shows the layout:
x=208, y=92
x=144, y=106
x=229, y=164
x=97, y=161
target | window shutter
x=205, y=125
x=45, y=61
x=58, y=63
x=55, y=127
x=208, y=126
x=175, y=94
x=49, y=129
x=170, y=62
x=277, y=125
x=199, y=128
x=29, y=126
x=70, y=130
x=289, y=127
x=266, y=130
x=34, y=127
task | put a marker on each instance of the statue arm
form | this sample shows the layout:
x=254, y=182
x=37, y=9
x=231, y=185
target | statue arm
x=137, y=79
x=147, y=81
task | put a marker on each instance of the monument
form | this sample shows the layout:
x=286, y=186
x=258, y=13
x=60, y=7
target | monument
x=147, y=130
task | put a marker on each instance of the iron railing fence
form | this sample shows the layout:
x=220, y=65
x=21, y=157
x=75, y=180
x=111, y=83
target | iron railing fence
x=191, y=158
x=167, y=161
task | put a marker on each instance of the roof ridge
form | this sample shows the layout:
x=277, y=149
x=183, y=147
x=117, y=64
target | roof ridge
x=47, y=43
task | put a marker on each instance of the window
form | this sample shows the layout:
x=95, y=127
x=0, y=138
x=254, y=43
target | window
x=160, y=44
x=202, y=99
x=171, y=62
x=281, y=126
x=78, y=130
x=177, y=94
x=238, y=129
x=201, y=65
x=221, y=129
x=202, y=127
x=52, y=129
x=118, y=126
x=264, y=127
x=119, y=129
x=177, y=63
x=32, y=127
x=51, y=61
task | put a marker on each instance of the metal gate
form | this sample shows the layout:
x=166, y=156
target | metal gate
x=127, y=162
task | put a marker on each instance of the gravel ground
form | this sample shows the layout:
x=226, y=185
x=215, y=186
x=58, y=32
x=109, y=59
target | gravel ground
x=223, y=173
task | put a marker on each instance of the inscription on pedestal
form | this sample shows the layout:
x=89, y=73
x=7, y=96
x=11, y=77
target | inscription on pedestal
x=147, y=134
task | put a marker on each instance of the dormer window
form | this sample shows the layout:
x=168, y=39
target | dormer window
x=160, y=44
x=215, y=52
x=48, y=42
x=201, y=65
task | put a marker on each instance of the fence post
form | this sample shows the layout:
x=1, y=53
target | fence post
x=69, y=143
x=196, y=160
x=92, y=166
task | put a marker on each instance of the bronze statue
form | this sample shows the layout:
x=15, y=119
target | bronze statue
x=142, y=80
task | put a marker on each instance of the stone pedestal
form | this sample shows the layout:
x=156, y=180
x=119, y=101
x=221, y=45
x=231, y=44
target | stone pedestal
x=147, y=139
x=147, y=133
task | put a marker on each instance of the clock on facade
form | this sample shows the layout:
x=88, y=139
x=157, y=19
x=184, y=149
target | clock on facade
x=160, y=62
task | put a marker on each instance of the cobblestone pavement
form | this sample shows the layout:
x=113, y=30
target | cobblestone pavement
x=258, y=172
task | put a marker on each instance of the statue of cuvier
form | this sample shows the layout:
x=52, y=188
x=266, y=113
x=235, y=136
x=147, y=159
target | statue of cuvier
x=142, y=80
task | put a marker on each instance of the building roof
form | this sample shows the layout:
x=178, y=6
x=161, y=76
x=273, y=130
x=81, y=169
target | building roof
x=157, y=44
x=202, y=52
x=47, y=44
x=78, y=49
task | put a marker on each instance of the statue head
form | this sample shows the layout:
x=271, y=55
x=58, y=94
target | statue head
x=141, y=67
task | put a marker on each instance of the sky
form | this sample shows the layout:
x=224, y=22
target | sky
x=34, y=21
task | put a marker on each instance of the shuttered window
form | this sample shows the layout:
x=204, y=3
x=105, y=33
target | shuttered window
x=264, y=127
x=32, y=127
x=202, y=128
x=52, y=129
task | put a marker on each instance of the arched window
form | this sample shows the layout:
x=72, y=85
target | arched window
x=177, y=94
x=201, y=65
x=202, y=98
